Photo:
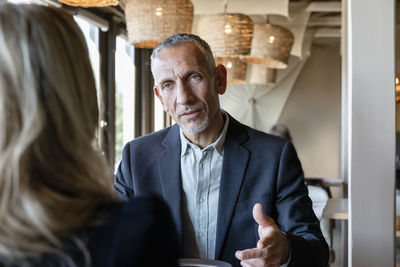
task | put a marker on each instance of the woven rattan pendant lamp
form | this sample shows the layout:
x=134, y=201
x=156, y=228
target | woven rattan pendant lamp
x=229, y=36
x=260, y=74
x=90, y=3
x=150, y=21
x=271, y=46
x=236, y=69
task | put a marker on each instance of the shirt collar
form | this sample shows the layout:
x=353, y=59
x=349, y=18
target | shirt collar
x=218, y=145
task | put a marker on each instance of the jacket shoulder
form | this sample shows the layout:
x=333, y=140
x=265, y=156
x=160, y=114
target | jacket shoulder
x=151, y=143
x=152, y=137
x=257, y=137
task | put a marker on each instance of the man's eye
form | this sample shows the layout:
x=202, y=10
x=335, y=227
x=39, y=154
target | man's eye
x=167, y=86
x=195, y=77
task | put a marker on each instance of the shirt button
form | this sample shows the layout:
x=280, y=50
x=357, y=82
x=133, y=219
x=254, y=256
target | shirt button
x=201, y=200
x=201, y=234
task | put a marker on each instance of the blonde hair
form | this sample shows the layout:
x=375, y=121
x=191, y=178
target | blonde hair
x=52, y=180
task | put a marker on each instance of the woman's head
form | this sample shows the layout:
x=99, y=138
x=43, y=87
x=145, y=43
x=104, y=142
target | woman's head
x=51, y=178
x=45, y=69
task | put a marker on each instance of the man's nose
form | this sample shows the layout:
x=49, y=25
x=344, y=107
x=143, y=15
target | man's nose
x=184, y=94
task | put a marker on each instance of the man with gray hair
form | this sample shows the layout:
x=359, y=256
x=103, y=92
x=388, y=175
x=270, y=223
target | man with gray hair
x=236, y=194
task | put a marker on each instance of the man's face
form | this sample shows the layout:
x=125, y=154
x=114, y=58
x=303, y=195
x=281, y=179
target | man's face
x=186, y=88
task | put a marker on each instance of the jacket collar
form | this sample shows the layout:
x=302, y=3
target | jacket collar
x=236, y=158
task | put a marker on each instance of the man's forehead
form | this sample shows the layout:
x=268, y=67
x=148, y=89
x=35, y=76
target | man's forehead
x=186, y=49
x=184, y=55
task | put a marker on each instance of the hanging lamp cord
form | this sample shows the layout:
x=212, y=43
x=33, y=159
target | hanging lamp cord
x=225, y=3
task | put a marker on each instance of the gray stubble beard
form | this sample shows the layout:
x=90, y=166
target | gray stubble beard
x=204, y=125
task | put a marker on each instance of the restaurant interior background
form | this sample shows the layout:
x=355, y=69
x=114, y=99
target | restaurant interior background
x=336, y=95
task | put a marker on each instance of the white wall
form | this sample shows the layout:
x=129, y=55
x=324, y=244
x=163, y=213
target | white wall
x=371, y=131
x=312, y=113
x=307, y=99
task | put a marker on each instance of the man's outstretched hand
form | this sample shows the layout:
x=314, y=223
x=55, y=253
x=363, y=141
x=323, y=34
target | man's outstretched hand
x=272, y=248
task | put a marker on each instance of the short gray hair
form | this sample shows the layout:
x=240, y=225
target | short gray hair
x=178, y=39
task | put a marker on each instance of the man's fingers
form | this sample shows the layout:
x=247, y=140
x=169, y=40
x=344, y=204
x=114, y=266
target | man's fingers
x=265, y=242
x=259, y=216
x=269, y=249
x=258, y=263
x=251, y=253
x=257, y=257
x=253, y=263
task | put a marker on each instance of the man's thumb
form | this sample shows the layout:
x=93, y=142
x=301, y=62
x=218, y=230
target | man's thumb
x=259, y=216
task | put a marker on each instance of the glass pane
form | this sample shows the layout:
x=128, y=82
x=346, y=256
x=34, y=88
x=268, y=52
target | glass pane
x=91, y=34
x=124, y=96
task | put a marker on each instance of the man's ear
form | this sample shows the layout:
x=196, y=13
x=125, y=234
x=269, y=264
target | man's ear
x=220, y=76
x=158, y=94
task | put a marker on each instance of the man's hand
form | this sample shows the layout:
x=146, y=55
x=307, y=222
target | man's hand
x=272, y=248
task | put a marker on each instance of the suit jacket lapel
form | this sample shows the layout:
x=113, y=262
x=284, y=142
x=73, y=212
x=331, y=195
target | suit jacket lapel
x=233, y=171
x=170, y=176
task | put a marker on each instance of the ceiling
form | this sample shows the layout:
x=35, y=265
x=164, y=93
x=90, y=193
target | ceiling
x=319, y=21
x=310, y=21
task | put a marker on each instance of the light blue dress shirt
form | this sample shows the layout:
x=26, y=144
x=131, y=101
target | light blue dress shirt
x=201, y=176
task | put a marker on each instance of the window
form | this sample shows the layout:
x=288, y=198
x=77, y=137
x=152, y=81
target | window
x=91, y=34
x=124, y=96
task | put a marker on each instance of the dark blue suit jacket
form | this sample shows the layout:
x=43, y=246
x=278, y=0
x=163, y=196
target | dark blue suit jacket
x=257, y=168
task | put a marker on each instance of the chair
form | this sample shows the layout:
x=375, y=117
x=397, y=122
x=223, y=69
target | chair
x=319, y=198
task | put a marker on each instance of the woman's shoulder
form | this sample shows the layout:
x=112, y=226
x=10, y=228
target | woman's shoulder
x=141, y=212
x=144, y=217
x=144, y=204
x=137, y=209
x=135, y=231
